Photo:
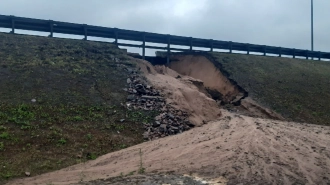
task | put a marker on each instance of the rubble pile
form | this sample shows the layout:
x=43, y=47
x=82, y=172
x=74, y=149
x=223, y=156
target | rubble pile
x=170, y=121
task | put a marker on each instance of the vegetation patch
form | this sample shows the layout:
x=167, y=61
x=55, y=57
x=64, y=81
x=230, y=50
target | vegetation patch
x=296, y=88
x=61, y=103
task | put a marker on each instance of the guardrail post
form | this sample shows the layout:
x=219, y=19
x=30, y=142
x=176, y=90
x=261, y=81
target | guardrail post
x=279, y=52
x=230, y=43
x=211, y=45
x=190, y=40
x=51, y=24
x=168, y=49
x=248, y=49
x=116, y=36
x=264, y=50
x=144, y=46
x=294, y=53
x=12, y=24
x=85, y=32
x=319, y=55
x=306, y=54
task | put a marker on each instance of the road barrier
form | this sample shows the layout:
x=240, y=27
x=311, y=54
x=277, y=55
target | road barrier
x=13, y=22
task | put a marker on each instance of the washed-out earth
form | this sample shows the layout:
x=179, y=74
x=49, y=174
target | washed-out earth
x=81, y=112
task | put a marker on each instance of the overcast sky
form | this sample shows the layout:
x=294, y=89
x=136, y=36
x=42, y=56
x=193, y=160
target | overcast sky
x=283, y=23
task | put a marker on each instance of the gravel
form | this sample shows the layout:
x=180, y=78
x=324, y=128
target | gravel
x=143, y=96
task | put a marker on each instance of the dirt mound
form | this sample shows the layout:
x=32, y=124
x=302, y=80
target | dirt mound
x=241, y=149
x=182, y=93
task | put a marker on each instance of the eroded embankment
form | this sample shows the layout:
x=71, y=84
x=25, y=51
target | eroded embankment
x=219, y=86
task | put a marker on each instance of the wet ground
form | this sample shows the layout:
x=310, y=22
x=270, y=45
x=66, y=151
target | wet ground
x=156, y=179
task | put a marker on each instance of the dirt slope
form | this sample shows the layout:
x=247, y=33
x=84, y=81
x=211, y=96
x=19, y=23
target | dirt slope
x=233, y=149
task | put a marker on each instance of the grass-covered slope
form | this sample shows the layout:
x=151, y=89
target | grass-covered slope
x=296, y=88
x=78, y=88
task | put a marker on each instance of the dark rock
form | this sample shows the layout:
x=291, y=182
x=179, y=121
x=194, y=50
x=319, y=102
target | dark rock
x=139, y=86
x=130, y=70
x=190, y=124
x=170, y=115
x=141, y=91
x=156, y=124
x=130, y=97
x=175, y=128
x=151, y=97
x=162, y=128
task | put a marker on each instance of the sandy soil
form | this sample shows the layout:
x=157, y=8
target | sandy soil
x=251, y=108
x=200, y=67
x=233, y=148
x=184, y=93
x=241, y=149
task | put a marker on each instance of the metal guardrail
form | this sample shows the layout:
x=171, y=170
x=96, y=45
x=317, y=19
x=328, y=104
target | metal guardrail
x=13, y=22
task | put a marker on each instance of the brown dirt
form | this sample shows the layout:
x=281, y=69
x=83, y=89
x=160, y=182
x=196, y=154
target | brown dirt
x=241, y=149
x=200, y=67
x=212, y=81
x=182, y=93
x=251, y=108
x=235, y=148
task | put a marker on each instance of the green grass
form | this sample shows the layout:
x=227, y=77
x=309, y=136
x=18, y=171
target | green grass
x=296, y=88
x=78, y=87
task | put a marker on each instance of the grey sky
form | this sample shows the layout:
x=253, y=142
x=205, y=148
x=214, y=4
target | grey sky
x=283, y=23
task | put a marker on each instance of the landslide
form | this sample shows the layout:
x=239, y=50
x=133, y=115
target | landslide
x=297, y=89
x=61, y=103
x=217, y=86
